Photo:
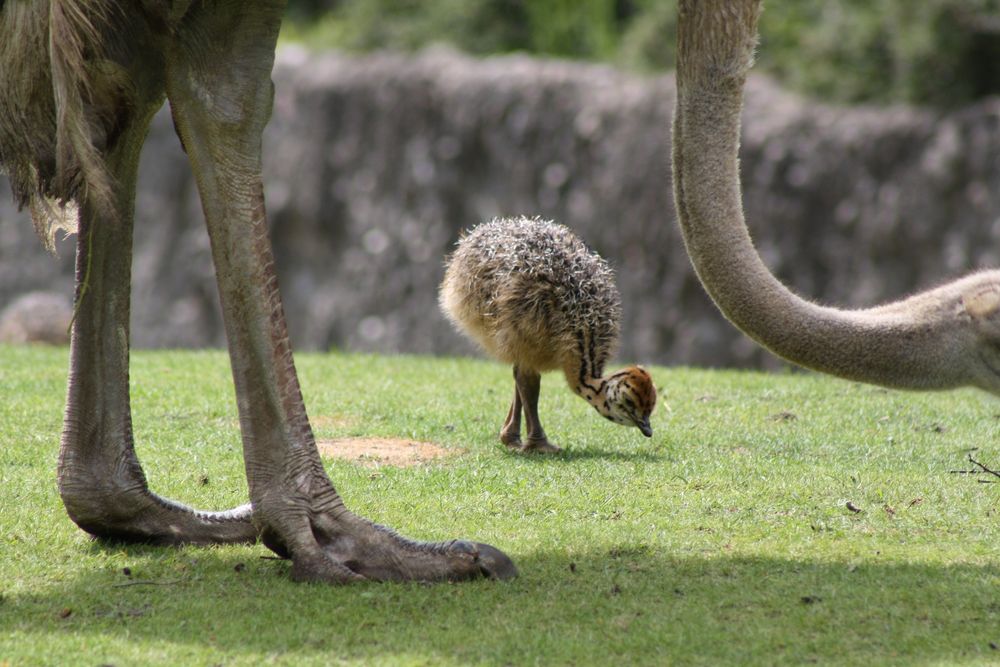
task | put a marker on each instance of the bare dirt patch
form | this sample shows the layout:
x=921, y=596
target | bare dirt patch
x=374, y=452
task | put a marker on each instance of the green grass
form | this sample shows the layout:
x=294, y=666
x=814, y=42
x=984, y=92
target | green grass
x=724, y=539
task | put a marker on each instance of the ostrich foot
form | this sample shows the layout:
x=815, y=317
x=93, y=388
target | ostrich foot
x=539, y=446
x=511, y=439
x=532, y=446
x=339, y=547
x=137, y=515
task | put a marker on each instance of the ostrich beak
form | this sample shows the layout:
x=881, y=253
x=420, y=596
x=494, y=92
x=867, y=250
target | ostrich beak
x=645, y=428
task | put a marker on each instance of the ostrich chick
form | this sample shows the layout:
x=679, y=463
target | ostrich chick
x=533, y=295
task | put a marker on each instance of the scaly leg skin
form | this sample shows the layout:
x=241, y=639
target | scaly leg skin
x=100, y=479
x=529, y=386
x=221, y=94
x=510, y=433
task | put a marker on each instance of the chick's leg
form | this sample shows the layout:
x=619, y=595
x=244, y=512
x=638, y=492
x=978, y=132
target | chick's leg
x=528, y=387
x=510, y=433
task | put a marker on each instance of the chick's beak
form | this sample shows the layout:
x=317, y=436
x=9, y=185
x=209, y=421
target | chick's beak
x=645, y=428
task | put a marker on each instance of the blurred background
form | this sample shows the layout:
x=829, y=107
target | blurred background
x=871, y=167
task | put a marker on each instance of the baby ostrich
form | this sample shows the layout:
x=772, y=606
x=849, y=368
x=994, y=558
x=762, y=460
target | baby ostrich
x=533, y=295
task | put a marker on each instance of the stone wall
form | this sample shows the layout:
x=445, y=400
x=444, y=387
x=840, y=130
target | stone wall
x=375, y=164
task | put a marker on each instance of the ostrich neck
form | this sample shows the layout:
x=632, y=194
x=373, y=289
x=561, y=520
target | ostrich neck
x=905, y=344
x=587, y=383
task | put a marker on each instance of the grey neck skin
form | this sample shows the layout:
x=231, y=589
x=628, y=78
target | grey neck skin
x=945, y=337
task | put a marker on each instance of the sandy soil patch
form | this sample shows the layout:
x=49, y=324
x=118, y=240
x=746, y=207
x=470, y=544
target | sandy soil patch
x=374, y=452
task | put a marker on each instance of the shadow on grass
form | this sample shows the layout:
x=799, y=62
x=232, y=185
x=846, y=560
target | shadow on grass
x=589, y=454
x=630, y=604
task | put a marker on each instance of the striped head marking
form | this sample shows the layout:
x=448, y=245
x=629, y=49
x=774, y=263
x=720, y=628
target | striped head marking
x=630, y=398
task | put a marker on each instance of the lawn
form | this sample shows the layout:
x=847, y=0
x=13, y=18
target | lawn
x=724, y=539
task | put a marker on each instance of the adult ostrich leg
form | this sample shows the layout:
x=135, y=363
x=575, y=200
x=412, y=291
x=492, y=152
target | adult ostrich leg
x=111, y=66
x=942, y=338
x=294, y=502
